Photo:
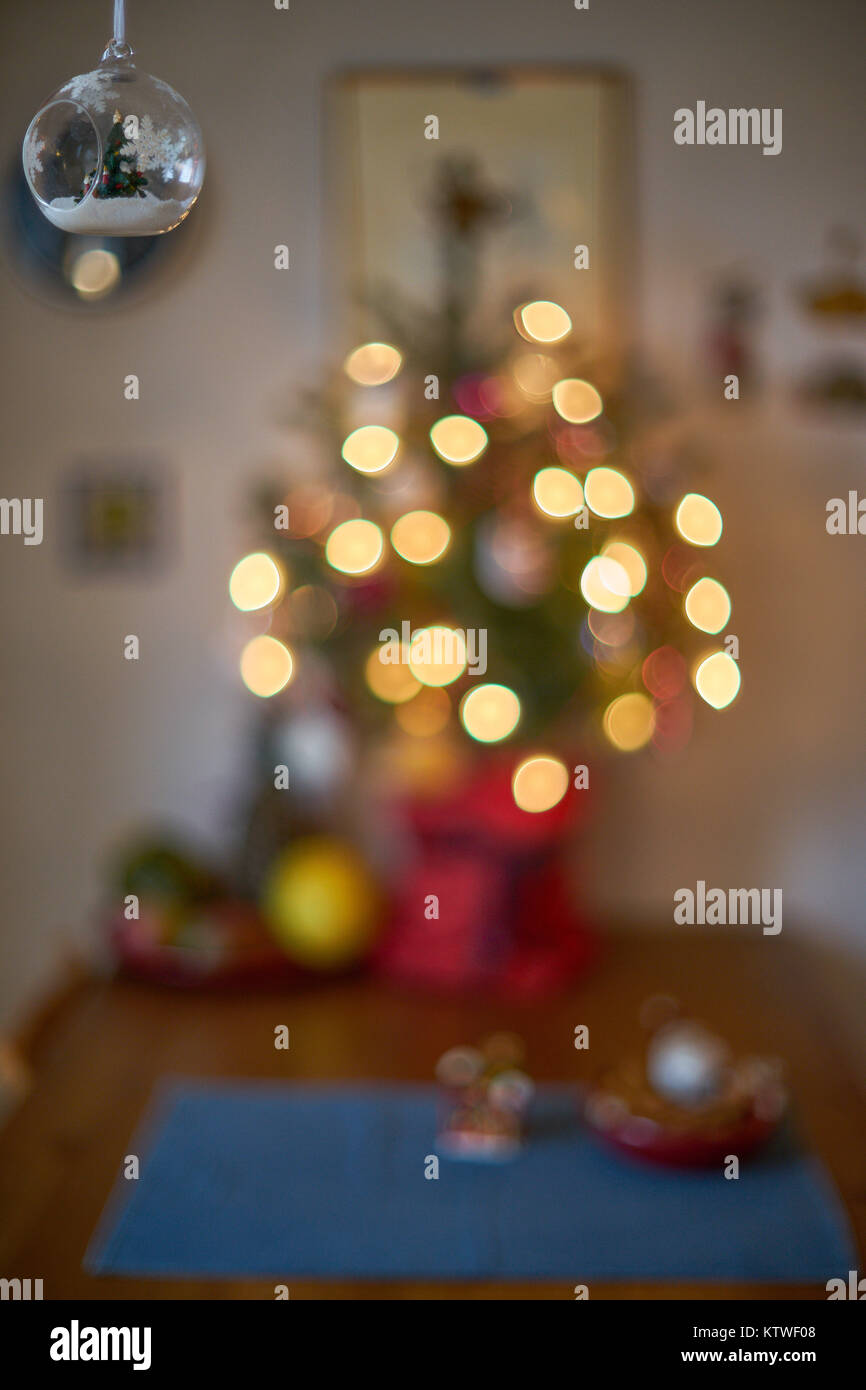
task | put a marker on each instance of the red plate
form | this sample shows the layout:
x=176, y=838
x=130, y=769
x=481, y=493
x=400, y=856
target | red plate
x=644, y=1139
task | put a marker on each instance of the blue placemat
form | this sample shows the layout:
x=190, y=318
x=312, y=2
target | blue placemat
x=259, y=1179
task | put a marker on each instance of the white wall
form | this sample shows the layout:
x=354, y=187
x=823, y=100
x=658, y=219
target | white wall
x=781, y=773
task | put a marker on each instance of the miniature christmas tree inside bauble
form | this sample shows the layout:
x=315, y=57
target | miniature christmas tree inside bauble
x=115, y=152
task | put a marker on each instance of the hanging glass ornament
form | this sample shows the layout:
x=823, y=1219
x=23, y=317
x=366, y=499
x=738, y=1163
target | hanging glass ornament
x=114, y=151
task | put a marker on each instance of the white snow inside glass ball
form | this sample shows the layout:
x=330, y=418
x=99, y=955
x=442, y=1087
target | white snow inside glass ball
x=115, y=152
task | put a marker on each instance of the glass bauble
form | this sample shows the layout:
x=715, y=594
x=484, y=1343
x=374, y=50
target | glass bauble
x=115, y=152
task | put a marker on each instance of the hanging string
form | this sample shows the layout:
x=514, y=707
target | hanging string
x=118, y=48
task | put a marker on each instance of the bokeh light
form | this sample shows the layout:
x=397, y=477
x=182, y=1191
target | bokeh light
x=608, y=492
x=266, y=666
x=421, y=537
x=580, y=446
x=542, y=321
x=478, y=395
x=371, y=448
x=426, y=714
x=490, y=712
x=539, y=783
x=629, y=721
x=354, y=547
x=698, y=520
x=605, y=584
x=679, y=569
x=535, y=375
x=632, y=562
x=373, y=364
x=458, y=439
x=313, y=612
x=707, y=605
x=717, y=680
x=391, y=681
x=664, y=673
x=311, y=508
x=437, y=655
x=577, y=401
x=616, y=661
x=256, y=582
x=557, y=493
x=94, y=273
x=513, y=559
x=611, y=629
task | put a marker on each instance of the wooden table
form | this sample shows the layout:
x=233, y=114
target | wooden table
x=98, y=1057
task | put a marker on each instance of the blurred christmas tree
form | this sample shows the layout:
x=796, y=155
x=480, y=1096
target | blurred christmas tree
x=504, y=549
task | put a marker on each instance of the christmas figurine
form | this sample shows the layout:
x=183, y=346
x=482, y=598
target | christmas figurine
x=687, y=1100
x=483, y=1099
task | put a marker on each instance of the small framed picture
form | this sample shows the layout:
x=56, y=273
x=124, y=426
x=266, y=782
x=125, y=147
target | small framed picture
x=115, y=518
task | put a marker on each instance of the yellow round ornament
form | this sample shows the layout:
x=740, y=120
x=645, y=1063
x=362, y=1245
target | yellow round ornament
x=321, y=903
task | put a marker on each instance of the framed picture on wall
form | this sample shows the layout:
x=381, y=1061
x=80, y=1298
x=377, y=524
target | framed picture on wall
x=530, y=170
x=116, y=517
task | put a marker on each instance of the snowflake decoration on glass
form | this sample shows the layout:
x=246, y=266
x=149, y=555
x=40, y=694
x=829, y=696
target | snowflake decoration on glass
x=154, y=149
x=32, y=152
x=95, y=90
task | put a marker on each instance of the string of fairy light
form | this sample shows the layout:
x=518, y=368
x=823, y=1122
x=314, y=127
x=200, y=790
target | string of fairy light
x=435, y=657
